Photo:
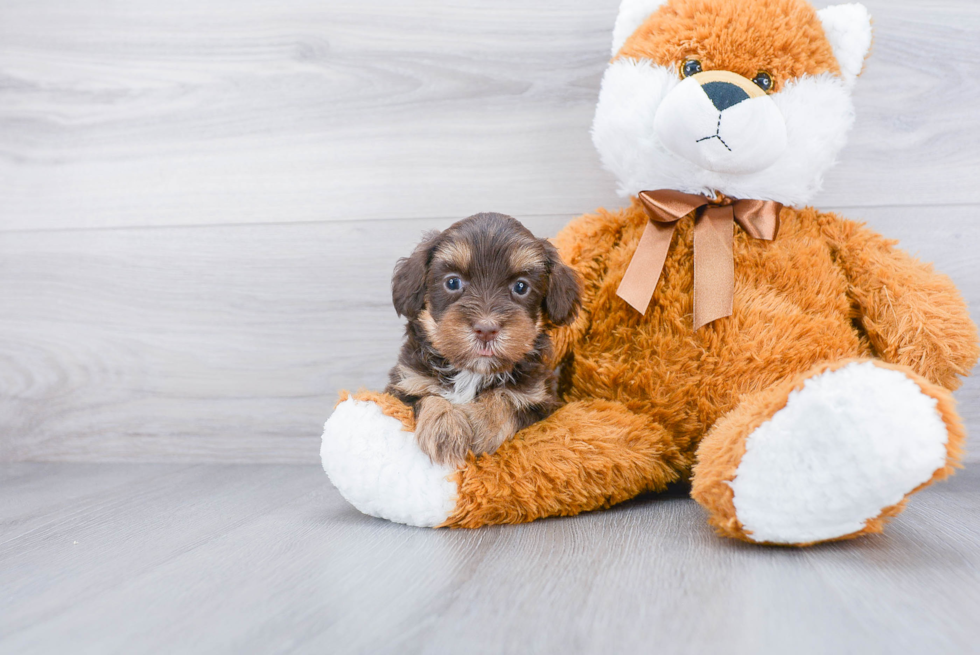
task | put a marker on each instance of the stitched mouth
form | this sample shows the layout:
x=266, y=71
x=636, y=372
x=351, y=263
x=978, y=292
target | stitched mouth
x=716, y=135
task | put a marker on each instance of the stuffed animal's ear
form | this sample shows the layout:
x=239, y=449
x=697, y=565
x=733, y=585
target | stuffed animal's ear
x=632, y=14
x=563, y=298
x=848, y=28
x=408, y=281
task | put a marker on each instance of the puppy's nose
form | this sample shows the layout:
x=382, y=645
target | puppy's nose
x=486, y=331
x=724, y=94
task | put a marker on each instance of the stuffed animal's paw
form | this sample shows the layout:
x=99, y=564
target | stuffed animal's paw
x=378, y=467
x=827, y=457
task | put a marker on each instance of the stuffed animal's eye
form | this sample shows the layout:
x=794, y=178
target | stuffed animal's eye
x=764, y=81
x=521, y=288
x=691, y=67
x=453, y=283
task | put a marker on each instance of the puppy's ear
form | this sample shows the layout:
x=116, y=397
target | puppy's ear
x=563, y=298
x=408, y=281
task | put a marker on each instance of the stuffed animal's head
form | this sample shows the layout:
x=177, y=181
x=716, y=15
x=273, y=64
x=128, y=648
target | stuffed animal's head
x=749, y=98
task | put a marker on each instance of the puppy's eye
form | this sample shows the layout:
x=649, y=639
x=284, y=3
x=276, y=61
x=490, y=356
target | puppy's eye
x=453, y=283
x=521, y=288
x=764, y=81
x=691, y=67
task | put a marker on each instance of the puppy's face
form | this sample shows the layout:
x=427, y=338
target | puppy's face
x=483, y=290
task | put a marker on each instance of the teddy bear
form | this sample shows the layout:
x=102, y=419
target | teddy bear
x=791, y=366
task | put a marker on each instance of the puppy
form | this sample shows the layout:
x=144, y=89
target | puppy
x=479, y=298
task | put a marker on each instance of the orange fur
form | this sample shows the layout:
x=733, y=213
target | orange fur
x=587, y=455
x=725, y=35
x=910, y=314
x=642, y=391
x=390, y=405
x=662, y=385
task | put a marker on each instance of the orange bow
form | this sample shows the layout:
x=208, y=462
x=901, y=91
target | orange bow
x=714, y=263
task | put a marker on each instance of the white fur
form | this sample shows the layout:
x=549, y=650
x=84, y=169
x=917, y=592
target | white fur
x=466, y=384
x=848, y=28
x=817, y=111
x=632, y=14
x=379, y=469
x=849, y=444
x=744, y=138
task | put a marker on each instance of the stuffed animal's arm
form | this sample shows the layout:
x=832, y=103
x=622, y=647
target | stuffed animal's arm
x=911, y=314
x=584, y=244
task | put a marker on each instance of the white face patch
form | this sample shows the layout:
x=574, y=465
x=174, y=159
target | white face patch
x=817, y=112
x=742, y=138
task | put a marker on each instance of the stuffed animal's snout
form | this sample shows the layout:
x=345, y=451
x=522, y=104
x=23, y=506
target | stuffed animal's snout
x=722, y=122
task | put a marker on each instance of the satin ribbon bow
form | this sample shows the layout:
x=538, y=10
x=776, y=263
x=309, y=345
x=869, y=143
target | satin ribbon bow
x=714, y=263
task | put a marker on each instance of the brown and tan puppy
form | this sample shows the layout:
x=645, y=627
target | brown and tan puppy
x=479, y=298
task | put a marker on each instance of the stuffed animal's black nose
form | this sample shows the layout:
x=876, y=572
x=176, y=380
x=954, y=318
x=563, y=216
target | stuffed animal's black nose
x=486, y=331
x=724, y=94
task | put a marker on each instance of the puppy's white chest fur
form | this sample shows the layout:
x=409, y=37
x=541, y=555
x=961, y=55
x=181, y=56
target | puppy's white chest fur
x=466, y=384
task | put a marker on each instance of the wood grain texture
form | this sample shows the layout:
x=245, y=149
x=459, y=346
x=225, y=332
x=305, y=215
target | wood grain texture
x=225, y=343
x=188, y=113
x=270, y=559
x=186, y=268
x=230, y=343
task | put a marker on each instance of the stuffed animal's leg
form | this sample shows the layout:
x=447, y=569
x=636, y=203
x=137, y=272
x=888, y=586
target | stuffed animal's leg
x=830, y=454
x=587, y=455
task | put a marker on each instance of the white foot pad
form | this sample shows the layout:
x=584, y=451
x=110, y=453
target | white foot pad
x=379, y=469
x=847, y=445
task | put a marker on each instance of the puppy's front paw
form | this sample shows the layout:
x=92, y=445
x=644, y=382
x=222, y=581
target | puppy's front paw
x=492, y=420
x=443, y=431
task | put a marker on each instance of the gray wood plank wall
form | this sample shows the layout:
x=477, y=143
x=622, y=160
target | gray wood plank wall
x=201, y=203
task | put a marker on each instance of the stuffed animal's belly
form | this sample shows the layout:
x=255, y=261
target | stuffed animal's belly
x=791, y=311
x=686, y=381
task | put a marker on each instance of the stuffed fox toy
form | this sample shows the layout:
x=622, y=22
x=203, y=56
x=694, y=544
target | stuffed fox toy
x=791, y=365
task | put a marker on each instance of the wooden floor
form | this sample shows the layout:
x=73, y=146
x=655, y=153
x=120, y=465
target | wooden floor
x=170, y=558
